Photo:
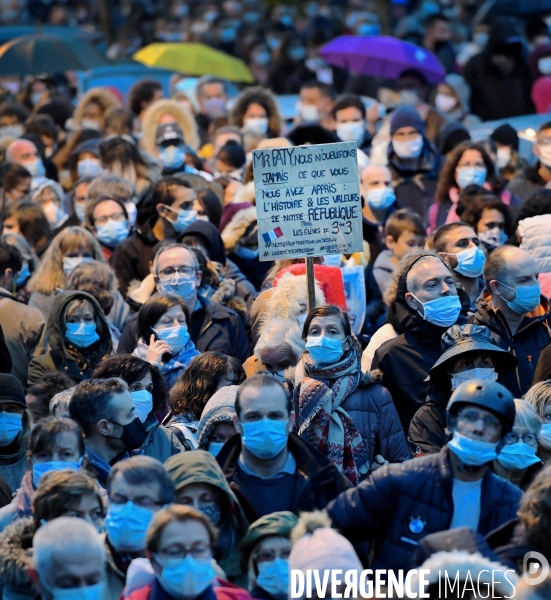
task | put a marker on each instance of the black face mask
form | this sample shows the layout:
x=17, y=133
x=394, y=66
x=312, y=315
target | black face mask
x=133, y=434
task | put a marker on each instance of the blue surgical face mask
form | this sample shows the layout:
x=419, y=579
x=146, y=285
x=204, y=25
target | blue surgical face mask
x=368, y=29
x=470, y=262
x=477, y=373
x=187, y=578
x=185, y=218
x=70, y=262
x=273, y=576
x=183, y=287
x=11, y=425
x=23, y=275
x=257, y=125
x=143, y=402
x=35, y=167
x=442, y=311
x=89, y=167
x=215, y=447
x=40, y=469
x=127, y=525
x=517, y=456
x=112, y=233
x=472, y=452
x=265, y=438
x=465, y=176
x=79, y=211
x=493, y=238
x=172, y=157
x=246, y=253
x=526, y=300
x=176, y=337
x=81, y=335
x=381, y=198
x=90, y=592
x=324, y=350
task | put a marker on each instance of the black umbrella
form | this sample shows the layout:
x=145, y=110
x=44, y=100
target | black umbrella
x=40, y=53
x=512, y=8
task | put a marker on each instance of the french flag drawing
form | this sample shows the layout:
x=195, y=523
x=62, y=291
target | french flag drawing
x=272, y=235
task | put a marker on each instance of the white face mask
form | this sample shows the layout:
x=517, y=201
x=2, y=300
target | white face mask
x=307, y=113
x=258, y=125
x=409, y=148
x=544, y=65
x=353, y=131
x=477, y=373
x=545, y=154
x=503, y=156
x=444, y=102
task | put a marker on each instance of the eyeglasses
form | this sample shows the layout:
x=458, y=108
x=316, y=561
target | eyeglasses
x=528, y=438
x=117, y=217
x=178, y=553
x=270, y=555
x=473, y=416
x=141, y=501
x=171, y=271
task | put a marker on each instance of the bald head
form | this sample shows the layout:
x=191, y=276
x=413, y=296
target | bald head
x=21, y=151
x=428, y=279
x=374, y=176
x=511, y=266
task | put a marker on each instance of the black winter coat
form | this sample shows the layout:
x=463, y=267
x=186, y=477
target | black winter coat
x=406, y=360
x=384, y=506
x=527, y=343
x=221, y=330
x=543, y=368
x=495, y=95
x=426, y=431
x=414, y=180
x=318, y=479
x=131, y=259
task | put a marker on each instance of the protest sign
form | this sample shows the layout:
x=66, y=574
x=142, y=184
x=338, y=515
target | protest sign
x=308, y=201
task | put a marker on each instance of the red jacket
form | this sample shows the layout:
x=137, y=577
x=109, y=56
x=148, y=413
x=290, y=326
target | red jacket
x=223, y=591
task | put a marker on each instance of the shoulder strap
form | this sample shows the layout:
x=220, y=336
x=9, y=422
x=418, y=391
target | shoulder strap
x=180, y=436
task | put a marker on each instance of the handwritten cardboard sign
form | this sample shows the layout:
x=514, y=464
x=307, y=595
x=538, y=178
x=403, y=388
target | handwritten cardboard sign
x=308, y=201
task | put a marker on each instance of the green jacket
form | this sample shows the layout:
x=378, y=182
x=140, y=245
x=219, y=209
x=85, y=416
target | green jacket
x=201, y=467
x=59, y=358
x=160, y=443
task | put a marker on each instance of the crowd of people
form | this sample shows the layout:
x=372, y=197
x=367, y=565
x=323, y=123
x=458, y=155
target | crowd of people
x=177, y=421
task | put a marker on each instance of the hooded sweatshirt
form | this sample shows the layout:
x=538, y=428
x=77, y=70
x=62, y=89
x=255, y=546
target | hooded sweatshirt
x=219, y=409
x=77, y=363
x=201, y=467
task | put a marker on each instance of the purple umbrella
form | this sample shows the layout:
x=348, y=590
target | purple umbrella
x=381, y=56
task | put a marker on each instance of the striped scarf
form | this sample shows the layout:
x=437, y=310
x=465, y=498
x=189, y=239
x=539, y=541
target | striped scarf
x=321, y=420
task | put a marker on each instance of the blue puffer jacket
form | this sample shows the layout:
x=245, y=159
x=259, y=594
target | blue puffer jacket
x=374, y=415
x=401, y=503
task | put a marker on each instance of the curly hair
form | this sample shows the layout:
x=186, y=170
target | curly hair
x=257, y=95
x=196, y=385
x=535, y=512
x=474, y=211
x=447, y=176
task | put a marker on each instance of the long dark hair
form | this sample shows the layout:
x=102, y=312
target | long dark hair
x=447, y=176
x=153, y=309
x=131, y=369
x=196, y=385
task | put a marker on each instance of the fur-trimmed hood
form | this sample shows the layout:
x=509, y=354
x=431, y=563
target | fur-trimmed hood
x=246, y=194
x=469, y=567
x=235, y=229
x=287, y=297
x=16, y=555
x=182, y=117
x=219, y=409
x=99, y=95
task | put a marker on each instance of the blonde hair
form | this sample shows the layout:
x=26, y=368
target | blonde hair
x=527, y=417
x=50, y=275
x=538, y=396
x=287, y=297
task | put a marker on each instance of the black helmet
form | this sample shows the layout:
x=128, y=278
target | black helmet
x=486, y=394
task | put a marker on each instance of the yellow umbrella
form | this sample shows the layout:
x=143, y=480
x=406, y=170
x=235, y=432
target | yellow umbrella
x=194, y=59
